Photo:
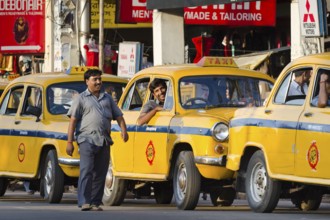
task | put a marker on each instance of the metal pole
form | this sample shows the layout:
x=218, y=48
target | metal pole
x=101, y=35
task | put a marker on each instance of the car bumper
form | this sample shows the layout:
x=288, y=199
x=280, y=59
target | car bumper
x=214, y=161
x=69, y=161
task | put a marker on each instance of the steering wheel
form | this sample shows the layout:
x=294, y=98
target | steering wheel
x=193, y=101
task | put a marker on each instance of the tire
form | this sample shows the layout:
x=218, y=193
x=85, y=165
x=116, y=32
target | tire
x=186, y=181
x=52, y=179
x=223, y=197
x=3, y=186
x=307, y=200
x=163, y=192
x=263, y=193
x=114, y=189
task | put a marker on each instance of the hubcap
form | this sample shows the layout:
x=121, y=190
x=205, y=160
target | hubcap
x=48, y=176
x=258, y=182
x=109, y=182
x=182, y=181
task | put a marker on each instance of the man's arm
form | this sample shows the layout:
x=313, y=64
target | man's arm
x=323, y=95
x=145, y=117
x=122, y=124
x=71, y=129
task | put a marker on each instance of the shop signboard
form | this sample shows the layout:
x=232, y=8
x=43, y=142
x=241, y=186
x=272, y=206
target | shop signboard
x=255, y=13
x=129, y=58
x=313, y=21
x=22, y=26
x=110, y=9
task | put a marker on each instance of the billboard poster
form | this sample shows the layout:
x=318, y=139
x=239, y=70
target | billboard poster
x=23, y=26
x=129, y=58
x=254, y=13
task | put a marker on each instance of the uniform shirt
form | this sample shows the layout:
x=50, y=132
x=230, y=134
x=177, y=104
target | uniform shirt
x=295, y=89
x=94, y=117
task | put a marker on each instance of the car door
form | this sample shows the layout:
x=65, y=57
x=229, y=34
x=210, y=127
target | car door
x=24, y=132
x=283, y=113
x=9, y=108
x=312, y=144
x=151, y=151
x=122, y=155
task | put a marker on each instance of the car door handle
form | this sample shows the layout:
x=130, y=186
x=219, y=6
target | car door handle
x=17, y=122
x=268, y=111
x=308, y=114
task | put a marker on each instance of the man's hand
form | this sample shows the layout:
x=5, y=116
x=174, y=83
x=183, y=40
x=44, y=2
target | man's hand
x=324, y=77
x=69, y=149
x=124, y=136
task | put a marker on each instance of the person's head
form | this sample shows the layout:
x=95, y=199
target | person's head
x=230, y=88
x=303, y=76
x=158, y=88
x=93, y=80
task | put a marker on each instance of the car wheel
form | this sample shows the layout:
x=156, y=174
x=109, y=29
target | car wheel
x=223, y=197
x=307, y=200
x=186, y=181
x=3, y=186
x=262, y=192
x=163, y=192
x=114, y=189
x=52, y=179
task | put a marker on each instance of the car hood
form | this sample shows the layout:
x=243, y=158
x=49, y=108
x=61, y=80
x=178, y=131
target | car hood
x=224, y=114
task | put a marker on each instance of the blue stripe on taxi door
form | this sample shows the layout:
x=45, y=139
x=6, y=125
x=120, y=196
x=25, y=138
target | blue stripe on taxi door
x=280, y=124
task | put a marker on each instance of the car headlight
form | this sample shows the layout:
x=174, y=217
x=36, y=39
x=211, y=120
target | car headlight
x=220, y=131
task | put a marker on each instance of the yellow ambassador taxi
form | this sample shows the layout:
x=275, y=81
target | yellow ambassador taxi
x=182, y=149
x=281, y=150
x=33, y=130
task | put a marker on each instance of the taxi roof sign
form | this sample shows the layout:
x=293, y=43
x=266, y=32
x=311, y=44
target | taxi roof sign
x=79, y=69
x=217, y=62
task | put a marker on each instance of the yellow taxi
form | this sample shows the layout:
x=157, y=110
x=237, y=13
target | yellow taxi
x=182, y=149
x=33, y=130
x=282, y=149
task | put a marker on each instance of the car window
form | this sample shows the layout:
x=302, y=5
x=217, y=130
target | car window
x=10, y=103
x=59, y=96
x=169, y=99
x=137, y=93
x=168, y=104
x=316, y=87
x=33, y=98
x=294, y=87
x=222, y=91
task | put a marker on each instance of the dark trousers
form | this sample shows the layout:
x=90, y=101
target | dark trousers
x=94, y=163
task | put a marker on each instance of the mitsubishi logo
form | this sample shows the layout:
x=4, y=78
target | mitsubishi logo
x=310, y=16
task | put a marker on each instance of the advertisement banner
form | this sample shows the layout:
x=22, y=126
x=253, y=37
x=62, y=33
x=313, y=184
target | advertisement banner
x=23, y=26
x=256, y=13
x=110, y=15
x=129, y=60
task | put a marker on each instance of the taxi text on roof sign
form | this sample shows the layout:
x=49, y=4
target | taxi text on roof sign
x=217, y=62
x=80, y=69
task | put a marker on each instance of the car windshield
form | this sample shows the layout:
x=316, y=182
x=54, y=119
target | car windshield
x=222, y=91
x=60, y=95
